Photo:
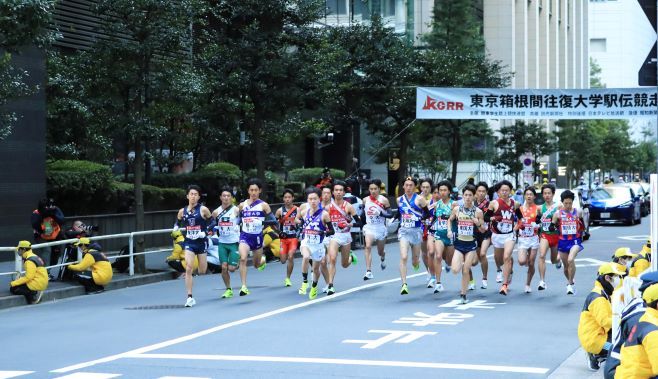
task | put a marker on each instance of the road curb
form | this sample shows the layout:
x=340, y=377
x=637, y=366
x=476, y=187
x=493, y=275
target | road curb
x=576, y=367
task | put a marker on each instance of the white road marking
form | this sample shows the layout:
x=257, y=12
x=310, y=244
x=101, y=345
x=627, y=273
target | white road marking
x=593, y=228
x=634, y=238
x=13, y=374
x=88, y=375
x=182, y=377
x=218, y=328
x=348, y=362
x=397, y=336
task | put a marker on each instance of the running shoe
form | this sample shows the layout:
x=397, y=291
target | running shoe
x=447, y=268
x=331, y=290
x=228, y=294
x=528, y=289
x=325, y=289
x=499, y=276
x=383, y=263
x=541, y=286
x=416, y=267
x=353, y=257
x=263, y=263
x=431, y=282
x=484, y=285
x=471, y=285
x=368, y=275
x=438, y=288
x=244, y=291
x=558, y=265
x=37, y=297
x=303, y=288
x=463, y=299
x=592, y=362
x=503, y=290
x=404, y=290
x=287, y=282
x=190, y=302
x=570, y=290
x=313, y=294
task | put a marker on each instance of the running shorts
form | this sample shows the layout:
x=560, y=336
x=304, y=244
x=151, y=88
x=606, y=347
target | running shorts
x=443, y=237
x=228, y=253
x=465, y=247
x=564, y=246
x=197, y=246
x=288, y=245
x=378, y=232
x=528, y=243
x=343, y=239
x=551, y=238
x=317, y=251
x=254, y=241
x=413, y=236
x=498, y=240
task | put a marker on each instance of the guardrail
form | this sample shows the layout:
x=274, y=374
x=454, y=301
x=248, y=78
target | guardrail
x=131, y=249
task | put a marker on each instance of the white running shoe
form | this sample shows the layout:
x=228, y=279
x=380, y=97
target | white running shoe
x=570, y=290
x=499, y=276
x=325, y=289
x=190, y=302
x=382, y=264
x=431, y=282
x=471, y=286
x=541, y=286
x=438, y=288
x=528, y=289
x=484, y=284
x=368, y=275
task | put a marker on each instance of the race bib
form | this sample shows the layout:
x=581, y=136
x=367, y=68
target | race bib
x=408, y=221
x=545, y=225
x=253, y=225
x=527, y=231
x=193, y=232
x=312, y=237
x=442, y=224
x=225, y=227
x=465, y=228
x=505, y=226
x=568, y=228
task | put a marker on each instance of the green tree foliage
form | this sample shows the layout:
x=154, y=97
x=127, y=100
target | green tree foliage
x=595, y=74
x=455, y=27
x=519, y=139
x=22, y=23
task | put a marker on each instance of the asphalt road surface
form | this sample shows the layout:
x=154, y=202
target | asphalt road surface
x=367, y=329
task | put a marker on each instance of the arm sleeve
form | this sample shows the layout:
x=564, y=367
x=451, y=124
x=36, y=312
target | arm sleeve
x=84, y=264
x=602, y=311
x=35, y=220
x=330, y=229
x=518, y=213
x=59, y=216
x=270, y=220
x=30, y=271
x=387, y=213
x=487, y=215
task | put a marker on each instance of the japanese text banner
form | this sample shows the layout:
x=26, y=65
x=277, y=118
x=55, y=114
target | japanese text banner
x=504, y=103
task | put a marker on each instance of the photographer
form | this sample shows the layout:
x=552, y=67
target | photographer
x=325, y=178
x=47, y=221
x=79, y=230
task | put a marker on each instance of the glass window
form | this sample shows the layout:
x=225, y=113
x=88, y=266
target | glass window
x=597, y=45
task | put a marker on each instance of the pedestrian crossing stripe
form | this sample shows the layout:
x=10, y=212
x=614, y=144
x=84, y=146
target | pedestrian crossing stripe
x=88, y=375
x=13, y=374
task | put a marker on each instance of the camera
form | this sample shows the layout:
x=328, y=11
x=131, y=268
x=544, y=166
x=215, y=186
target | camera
x=330, y=137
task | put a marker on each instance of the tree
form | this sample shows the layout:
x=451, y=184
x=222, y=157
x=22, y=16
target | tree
x=595, y=74
x=455, y=27
x=22, y=23
x=517, y=140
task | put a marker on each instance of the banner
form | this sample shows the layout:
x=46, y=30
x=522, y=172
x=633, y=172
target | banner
x=504, y=103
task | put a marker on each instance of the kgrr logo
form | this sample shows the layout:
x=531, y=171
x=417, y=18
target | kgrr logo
x=440, y=105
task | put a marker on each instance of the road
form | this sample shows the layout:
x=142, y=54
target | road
x=366, y=330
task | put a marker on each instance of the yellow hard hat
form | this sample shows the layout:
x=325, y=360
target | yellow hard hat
x=82, y=241
x=24, y=245
x=609, y=269
x=176, y=233
x=623, y=252
x=650, y=294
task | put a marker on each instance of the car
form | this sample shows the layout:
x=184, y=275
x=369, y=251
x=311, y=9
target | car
x=615, y=203
x=646, y=187
x=638, y=189
x=577, y=203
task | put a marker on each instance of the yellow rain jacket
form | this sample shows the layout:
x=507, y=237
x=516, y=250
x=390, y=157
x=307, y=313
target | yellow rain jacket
x=639, y=264
x=178, y=254
x=595, y=320
x=36, y=276
x=639, y=354
x=101, y=269
x=271, y=241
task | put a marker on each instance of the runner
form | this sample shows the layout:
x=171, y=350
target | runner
x=315, y=225
x=464, y=219
x=342, y=214
x=377, y=208
x=193, y=218
x=570, y=224
x=289, y=242
x=431, y=231
x=410, y=234
x=549, y=233
x=426, y=193
x=528, y=237
x=227, y=217
x=443, y=247
x=254, y=213
x=501, y=215
x=483, y=234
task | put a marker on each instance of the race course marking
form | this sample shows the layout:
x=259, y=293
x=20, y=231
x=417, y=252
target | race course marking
x=13, y=374
x=218, y=328
x=347, y=362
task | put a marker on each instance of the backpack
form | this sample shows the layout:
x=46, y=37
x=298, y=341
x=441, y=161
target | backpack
x=122, y=263
x=50, y=228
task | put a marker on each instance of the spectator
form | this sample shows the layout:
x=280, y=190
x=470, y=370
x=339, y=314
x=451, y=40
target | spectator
x=35, y=280
x=325, y=178
x=596, y=317
x=47, y=221
x=177, y=258
x=93, y=259
x=79, y=230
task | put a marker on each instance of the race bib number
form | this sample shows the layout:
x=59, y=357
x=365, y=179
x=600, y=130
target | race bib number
x=252, y=225
x=442, y=224
x=225, y=228
x=287, y=229
x=193, y=232
x=545, y=225
x=505, y=226
x=568, y=228
x=465, y=228
x=408, y=221
x=527, y=231
x=312, y=237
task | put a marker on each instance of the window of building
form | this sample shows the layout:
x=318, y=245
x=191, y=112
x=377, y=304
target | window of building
x=597, y=45
x=336, y=7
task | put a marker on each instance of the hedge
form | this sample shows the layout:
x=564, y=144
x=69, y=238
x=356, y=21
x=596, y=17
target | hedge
x=312, y=174
x=77, y=177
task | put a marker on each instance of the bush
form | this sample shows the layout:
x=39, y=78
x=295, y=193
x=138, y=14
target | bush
x=311, y=175
x=81, y=177
x=155, y=198
x=229, y=171
x=211, y=178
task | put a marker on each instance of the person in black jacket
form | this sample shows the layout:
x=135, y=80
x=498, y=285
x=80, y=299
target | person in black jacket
x=47, y=221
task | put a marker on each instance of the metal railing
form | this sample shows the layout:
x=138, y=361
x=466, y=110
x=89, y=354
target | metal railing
x=131, y=249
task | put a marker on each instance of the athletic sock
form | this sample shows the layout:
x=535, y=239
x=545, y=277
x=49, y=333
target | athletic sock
x=315, y=284
x=305, y=276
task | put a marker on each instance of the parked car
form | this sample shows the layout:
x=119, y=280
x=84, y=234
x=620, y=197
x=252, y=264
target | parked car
x=638, y=189
x=615, y=203
x=646, y=187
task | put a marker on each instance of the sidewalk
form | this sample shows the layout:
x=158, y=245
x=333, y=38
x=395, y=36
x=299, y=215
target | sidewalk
x=576, y=367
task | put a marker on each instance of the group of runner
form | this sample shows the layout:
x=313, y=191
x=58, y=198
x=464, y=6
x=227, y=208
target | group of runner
x=432, y=225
